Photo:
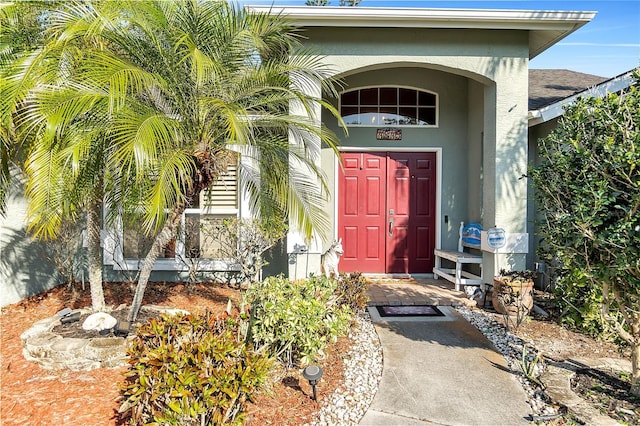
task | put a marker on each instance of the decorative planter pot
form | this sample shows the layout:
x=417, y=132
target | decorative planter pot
x=512, y=296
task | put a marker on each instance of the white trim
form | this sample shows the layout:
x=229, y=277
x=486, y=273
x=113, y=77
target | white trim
x=601, y=90
x=328, y=16
x=388, y=148
x=174, y=265
x=336, y=179
x=207, y=210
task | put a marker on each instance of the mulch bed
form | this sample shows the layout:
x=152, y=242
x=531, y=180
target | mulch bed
x=32, y=395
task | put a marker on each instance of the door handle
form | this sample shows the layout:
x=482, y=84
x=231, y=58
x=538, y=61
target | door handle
x=391, y=213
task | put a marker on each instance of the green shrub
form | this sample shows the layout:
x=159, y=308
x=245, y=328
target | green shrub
x=191, y=370
x=580, y=303
x=295, y=321
x=351, y=290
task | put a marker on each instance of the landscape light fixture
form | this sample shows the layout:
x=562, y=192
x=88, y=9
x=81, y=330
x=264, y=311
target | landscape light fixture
x=312, y=373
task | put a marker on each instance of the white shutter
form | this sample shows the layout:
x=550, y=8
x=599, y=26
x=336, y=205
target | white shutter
x=222, y=195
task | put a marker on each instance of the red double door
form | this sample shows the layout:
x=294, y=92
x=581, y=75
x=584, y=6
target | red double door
x=386, y=211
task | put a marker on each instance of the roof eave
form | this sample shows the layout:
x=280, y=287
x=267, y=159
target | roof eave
x=546, y=27
x=556, y=109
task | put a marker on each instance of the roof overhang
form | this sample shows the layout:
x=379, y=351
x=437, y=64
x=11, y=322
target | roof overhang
x=556, y=109
x=545, y=27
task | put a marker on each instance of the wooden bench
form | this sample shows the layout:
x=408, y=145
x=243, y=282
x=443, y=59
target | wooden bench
x=468, y=237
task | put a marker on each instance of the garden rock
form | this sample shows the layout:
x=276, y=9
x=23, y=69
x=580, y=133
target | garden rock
x=557, y=381
x=52, y=351
x=99, y=321
x=40, y=327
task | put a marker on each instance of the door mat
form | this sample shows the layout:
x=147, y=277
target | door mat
x=409, y=311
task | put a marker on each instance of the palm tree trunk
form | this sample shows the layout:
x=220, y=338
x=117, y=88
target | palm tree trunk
x=166, y=234
x=94, y=256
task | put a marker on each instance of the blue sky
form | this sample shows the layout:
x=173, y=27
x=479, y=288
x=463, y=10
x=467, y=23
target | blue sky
x=607, y=46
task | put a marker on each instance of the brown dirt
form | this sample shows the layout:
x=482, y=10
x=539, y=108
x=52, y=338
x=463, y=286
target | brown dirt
x=608, y=390
x=605, y=390
x=32, y=395
x=558, y=343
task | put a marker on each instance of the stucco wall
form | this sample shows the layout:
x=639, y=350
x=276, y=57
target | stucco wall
x=486, y=72
x=479, y=54
x=475, y=135
x=450, y=136
x=24, y=271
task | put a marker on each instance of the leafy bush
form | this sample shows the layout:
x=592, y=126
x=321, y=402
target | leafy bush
x=580, y=304
x=352, y=291
x=588, y=195
x=295, y=321
x=191, y=370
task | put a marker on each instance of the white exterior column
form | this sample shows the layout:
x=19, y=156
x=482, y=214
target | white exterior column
x=304, y=255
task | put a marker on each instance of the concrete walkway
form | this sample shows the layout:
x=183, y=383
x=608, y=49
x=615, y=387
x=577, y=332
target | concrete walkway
x=442, y=370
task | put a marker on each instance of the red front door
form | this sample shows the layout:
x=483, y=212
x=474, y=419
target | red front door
x=386, y=212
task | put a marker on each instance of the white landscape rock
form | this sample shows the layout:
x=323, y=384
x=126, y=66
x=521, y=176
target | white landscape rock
x=99, y=321
x=362, y=373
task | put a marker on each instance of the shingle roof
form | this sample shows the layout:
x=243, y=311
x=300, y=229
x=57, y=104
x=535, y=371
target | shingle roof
x=551, y=85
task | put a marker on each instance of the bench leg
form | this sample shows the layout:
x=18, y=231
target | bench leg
x=485, y=290
x=458, y=275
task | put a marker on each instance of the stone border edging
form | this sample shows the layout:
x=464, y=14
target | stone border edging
x=557, y=381
x=54, y=352
x=556, y=377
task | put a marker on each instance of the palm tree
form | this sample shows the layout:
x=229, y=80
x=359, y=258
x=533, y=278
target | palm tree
x=172, y=87
x=227, y=78
x=21, y=33
x=42, y=121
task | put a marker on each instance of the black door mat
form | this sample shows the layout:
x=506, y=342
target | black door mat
x=409, y=311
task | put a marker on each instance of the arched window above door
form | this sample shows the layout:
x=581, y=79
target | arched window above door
x=389, y=106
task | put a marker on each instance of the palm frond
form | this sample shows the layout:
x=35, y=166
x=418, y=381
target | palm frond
x=174, y=178
x=141, y=136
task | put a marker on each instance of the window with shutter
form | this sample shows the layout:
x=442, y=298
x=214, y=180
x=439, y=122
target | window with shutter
x=201, y=233
x=204, y=224
x=222, y=196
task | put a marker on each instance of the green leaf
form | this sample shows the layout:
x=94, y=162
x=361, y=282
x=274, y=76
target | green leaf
x=175, y=406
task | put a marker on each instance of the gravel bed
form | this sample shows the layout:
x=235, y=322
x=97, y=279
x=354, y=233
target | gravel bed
x=362, y=372
x=511, y=347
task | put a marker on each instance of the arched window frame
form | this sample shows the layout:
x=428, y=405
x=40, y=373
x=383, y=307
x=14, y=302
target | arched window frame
x=381, y=106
